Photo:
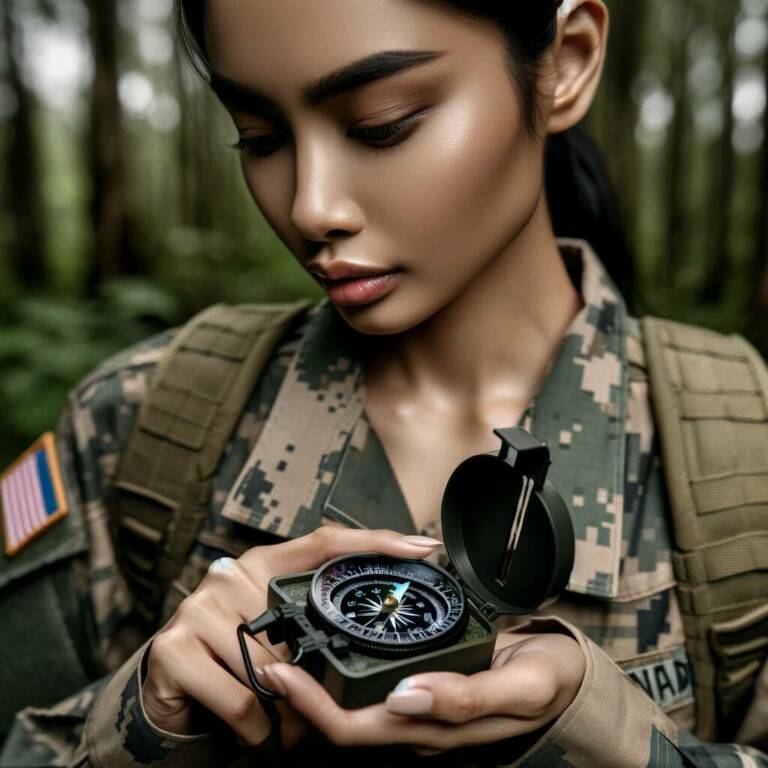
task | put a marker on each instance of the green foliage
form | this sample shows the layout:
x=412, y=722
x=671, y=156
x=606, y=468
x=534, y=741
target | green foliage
x=48, y=343
x=206, y=266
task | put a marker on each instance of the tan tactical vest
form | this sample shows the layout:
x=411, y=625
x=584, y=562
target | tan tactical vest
x=710, y=397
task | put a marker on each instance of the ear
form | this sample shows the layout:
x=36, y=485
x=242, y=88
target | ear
x=578, y=58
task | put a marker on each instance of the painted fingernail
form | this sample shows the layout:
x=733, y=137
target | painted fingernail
x=403, y=685
x=416, y=701
x=422, y=541
x=273, y=680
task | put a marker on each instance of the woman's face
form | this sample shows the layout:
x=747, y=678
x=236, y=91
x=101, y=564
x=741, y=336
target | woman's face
x=433, y=198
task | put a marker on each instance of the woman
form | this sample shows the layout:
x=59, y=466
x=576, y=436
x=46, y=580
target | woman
x=397, y=147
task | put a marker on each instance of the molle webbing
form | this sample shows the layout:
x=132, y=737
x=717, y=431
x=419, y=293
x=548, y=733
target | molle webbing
x=710, y=396
x=164, y=481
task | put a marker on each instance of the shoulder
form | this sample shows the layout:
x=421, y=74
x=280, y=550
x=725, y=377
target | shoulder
x=123, y=375
x=657, y=346
x=123, y=379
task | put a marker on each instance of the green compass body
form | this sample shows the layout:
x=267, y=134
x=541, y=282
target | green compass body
x=362, y=622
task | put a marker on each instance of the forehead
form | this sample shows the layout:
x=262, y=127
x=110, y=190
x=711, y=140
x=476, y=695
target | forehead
x=282, y=43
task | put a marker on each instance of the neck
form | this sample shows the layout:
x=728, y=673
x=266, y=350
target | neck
x=491, y=347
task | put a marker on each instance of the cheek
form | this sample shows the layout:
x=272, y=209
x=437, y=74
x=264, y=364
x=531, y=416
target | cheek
x=463, y=188
x=269, y=187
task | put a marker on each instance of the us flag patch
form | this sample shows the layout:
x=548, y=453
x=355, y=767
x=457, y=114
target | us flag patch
x=31, y=494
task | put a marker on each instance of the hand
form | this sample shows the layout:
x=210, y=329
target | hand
x=196, y=654
x=530, y=684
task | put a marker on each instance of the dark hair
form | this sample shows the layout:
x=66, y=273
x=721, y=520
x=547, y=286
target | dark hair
x=580, y=196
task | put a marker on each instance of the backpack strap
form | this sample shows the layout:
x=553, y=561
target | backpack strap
x=164, y=481
x=710, y=397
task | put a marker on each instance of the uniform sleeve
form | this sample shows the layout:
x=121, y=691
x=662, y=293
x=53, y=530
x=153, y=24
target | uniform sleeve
x=105, y=726
x=118, y=732
x=71, y=629
x=612, y=723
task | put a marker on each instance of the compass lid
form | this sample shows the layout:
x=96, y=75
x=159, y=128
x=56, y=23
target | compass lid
x=507, y=530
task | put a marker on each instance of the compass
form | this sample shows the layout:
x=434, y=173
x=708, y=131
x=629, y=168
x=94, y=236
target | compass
x=362, y=622
x=387, y=606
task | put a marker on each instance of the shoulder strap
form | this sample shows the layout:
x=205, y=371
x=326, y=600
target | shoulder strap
x=164, y=480
x=710, y=396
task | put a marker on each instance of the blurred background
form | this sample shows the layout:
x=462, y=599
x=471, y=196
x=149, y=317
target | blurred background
x=123, y=211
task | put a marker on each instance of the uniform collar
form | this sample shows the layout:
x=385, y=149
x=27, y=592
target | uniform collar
x=319, y=456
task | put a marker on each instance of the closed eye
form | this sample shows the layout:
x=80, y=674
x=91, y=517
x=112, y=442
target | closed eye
x=387, y=134
x=378, y=136
x=261, y=146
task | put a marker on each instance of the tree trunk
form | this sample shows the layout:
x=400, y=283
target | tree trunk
x=676, y=202
x=24, y=199
x=196, y=165
x=760, y=271
x=106, y=150
x=626, y=45
x=184, y=144
x=724, y=164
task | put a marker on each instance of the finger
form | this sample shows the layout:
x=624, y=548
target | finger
x=327, y=542
x=518, y=690
x=293, y=727
x=222, y=644
x=219, y=635
x=200, y=677
x=374, y=725
x=370, y=726
x=211, y=614
x=229, y=586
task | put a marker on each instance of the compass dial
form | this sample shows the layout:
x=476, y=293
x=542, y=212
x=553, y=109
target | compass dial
x=389, y=606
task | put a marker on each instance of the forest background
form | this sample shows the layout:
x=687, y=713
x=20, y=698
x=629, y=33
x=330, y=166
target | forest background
x=123, y=211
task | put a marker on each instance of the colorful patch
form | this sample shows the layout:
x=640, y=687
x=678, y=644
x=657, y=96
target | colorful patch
x=31, y=495
x=668, y=681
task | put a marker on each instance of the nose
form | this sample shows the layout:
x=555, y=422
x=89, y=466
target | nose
x=323, y=205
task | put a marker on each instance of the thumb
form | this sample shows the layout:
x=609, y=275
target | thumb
x=447, y=696
x=514, y=690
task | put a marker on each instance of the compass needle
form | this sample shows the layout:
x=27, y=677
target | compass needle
x=515, y=529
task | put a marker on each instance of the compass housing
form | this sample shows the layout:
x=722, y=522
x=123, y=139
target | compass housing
x=510, y=542
x=356, y=678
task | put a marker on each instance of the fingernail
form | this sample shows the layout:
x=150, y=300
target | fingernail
x=416, y=701
x=403, y=685
x=273, y=680
x=422, y=541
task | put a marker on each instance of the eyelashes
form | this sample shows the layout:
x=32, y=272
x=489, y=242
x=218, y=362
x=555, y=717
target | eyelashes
x=377, y=136
x=384, y=134
x=257, y=145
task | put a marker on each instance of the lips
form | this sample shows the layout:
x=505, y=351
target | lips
x=343, y=270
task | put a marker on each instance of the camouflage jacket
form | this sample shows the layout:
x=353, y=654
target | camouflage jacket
x=304, y=453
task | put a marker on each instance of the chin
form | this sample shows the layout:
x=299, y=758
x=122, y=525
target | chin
x=387, y=317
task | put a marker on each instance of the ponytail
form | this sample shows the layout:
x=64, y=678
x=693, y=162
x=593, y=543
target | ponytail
x=583, y=204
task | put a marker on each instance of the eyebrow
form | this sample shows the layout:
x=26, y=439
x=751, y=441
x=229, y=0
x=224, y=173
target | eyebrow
x=348, y=78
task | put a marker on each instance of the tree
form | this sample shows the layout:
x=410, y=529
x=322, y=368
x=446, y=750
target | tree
x=724, y=165
x=22, y=167
x=674, y=181
x=618, y=113
x=760, y=261
x=106, y=150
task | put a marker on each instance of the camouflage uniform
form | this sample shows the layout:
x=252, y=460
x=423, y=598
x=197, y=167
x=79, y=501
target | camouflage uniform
x=304, y=452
